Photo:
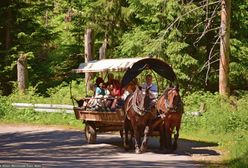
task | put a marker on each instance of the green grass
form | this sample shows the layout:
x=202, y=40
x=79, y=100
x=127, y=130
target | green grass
x=57, y=95
x=30, y=116
x=224, y=122
x=234, y=146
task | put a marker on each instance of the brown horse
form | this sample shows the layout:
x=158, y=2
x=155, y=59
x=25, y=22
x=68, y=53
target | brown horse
x=139, y=113
x=170, y=108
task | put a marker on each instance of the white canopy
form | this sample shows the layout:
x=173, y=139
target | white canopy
x=119, y=64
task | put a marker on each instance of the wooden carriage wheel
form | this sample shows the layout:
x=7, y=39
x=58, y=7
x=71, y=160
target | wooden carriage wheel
x=90, y=132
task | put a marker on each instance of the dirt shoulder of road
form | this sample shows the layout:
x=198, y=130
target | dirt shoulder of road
x=22, y=127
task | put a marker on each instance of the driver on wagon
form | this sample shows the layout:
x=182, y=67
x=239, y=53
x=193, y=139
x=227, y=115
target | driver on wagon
x=148, y=84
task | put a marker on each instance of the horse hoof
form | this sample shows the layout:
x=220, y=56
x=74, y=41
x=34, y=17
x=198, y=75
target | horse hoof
x=137, y=151
x=167, y=151
x=143, y=149
x=126, y=147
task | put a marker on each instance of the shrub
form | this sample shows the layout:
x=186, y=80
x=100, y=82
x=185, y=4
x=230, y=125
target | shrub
x=5, y=106
x=221, y=115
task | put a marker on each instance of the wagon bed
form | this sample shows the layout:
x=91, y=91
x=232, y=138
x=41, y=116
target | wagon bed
x=97, y=121
x=113, y=117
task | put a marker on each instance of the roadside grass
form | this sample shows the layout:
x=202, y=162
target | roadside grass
x=29, y=116
x=57, y=95
x=224, y=122
x=233, y=146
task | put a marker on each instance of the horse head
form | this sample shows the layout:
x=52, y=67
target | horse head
x=172, y=98
x=149, y=97
x=141, y=100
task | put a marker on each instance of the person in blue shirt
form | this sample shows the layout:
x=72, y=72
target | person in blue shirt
x=148, y=84
x=100, y=91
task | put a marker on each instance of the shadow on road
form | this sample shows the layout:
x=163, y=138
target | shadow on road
x=70, y=149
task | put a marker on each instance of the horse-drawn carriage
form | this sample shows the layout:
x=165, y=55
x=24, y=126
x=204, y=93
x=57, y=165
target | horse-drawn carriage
x=150, y=116
x=102, y=121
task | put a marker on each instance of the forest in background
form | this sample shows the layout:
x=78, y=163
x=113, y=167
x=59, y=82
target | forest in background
x=185, y=33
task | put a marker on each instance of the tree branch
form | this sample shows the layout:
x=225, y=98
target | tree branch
x=178, y=18
x=208, y=24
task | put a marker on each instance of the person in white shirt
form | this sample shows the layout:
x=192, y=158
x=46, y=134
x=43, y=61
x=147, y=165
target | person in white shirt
x=148, y=84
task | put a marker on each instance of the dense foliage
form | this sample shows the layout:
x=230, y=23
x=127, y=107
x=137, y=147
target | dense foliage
x=184, y=33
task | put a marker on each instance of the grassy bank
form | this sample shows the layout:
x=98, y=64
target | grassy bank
x=223, y=121
x=57, y=95
x=42, y=118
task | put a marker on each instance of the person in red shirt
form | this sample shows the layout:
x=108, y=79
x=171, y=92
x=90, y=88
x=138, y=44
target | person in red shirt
x=115, y=93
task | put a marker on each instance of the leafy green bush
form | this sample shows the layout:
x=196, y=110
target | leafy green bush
x=5, y=106
x=61, y=93
x=221, y=115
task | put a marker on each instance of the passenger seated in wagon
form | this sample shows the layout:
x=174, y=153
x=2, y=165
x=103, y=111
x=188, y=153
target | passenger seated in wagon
x=99, y=97
x=98, y=93
x=108, y=96
x=116, y=93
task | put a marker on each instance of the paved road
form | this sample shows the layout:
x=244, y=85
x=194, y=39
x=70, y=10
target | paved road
x=36, y=146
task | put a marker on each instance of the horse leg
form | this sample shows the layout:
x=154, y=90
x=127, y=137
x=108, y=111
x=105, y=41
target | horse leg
x=158, y=125
x=176, y=137
x=130, y=135
x=162, y=138
x=168, y=134
x=175, y=140
x=126, y=129
x=137, y=140
x=145, y=139
x=131, y=139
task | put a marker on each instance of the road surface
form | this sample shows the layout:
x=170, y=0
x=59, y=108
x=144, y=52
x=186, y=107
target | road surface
x=40, y=146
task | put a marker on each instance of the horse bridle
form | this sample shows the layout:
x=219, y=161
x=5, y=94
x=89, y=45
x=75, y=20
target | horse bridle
x=139, y=110
x=167, y=106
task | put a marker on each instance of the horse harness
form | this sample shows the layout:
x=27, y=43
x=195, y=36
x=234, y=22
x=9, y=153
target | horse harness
x=139, y=109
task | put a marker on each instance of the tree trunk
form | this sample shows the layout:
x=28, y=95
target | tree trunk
x=88, y=53
x=46, y=18
x=46, y=15
x=102, y=50
x=224, y=47
x=22, y=73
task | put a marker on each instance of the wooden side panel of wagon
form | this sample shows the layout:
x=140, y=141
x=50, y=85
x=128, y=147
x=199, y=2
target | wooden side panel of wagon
x=96, y=121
